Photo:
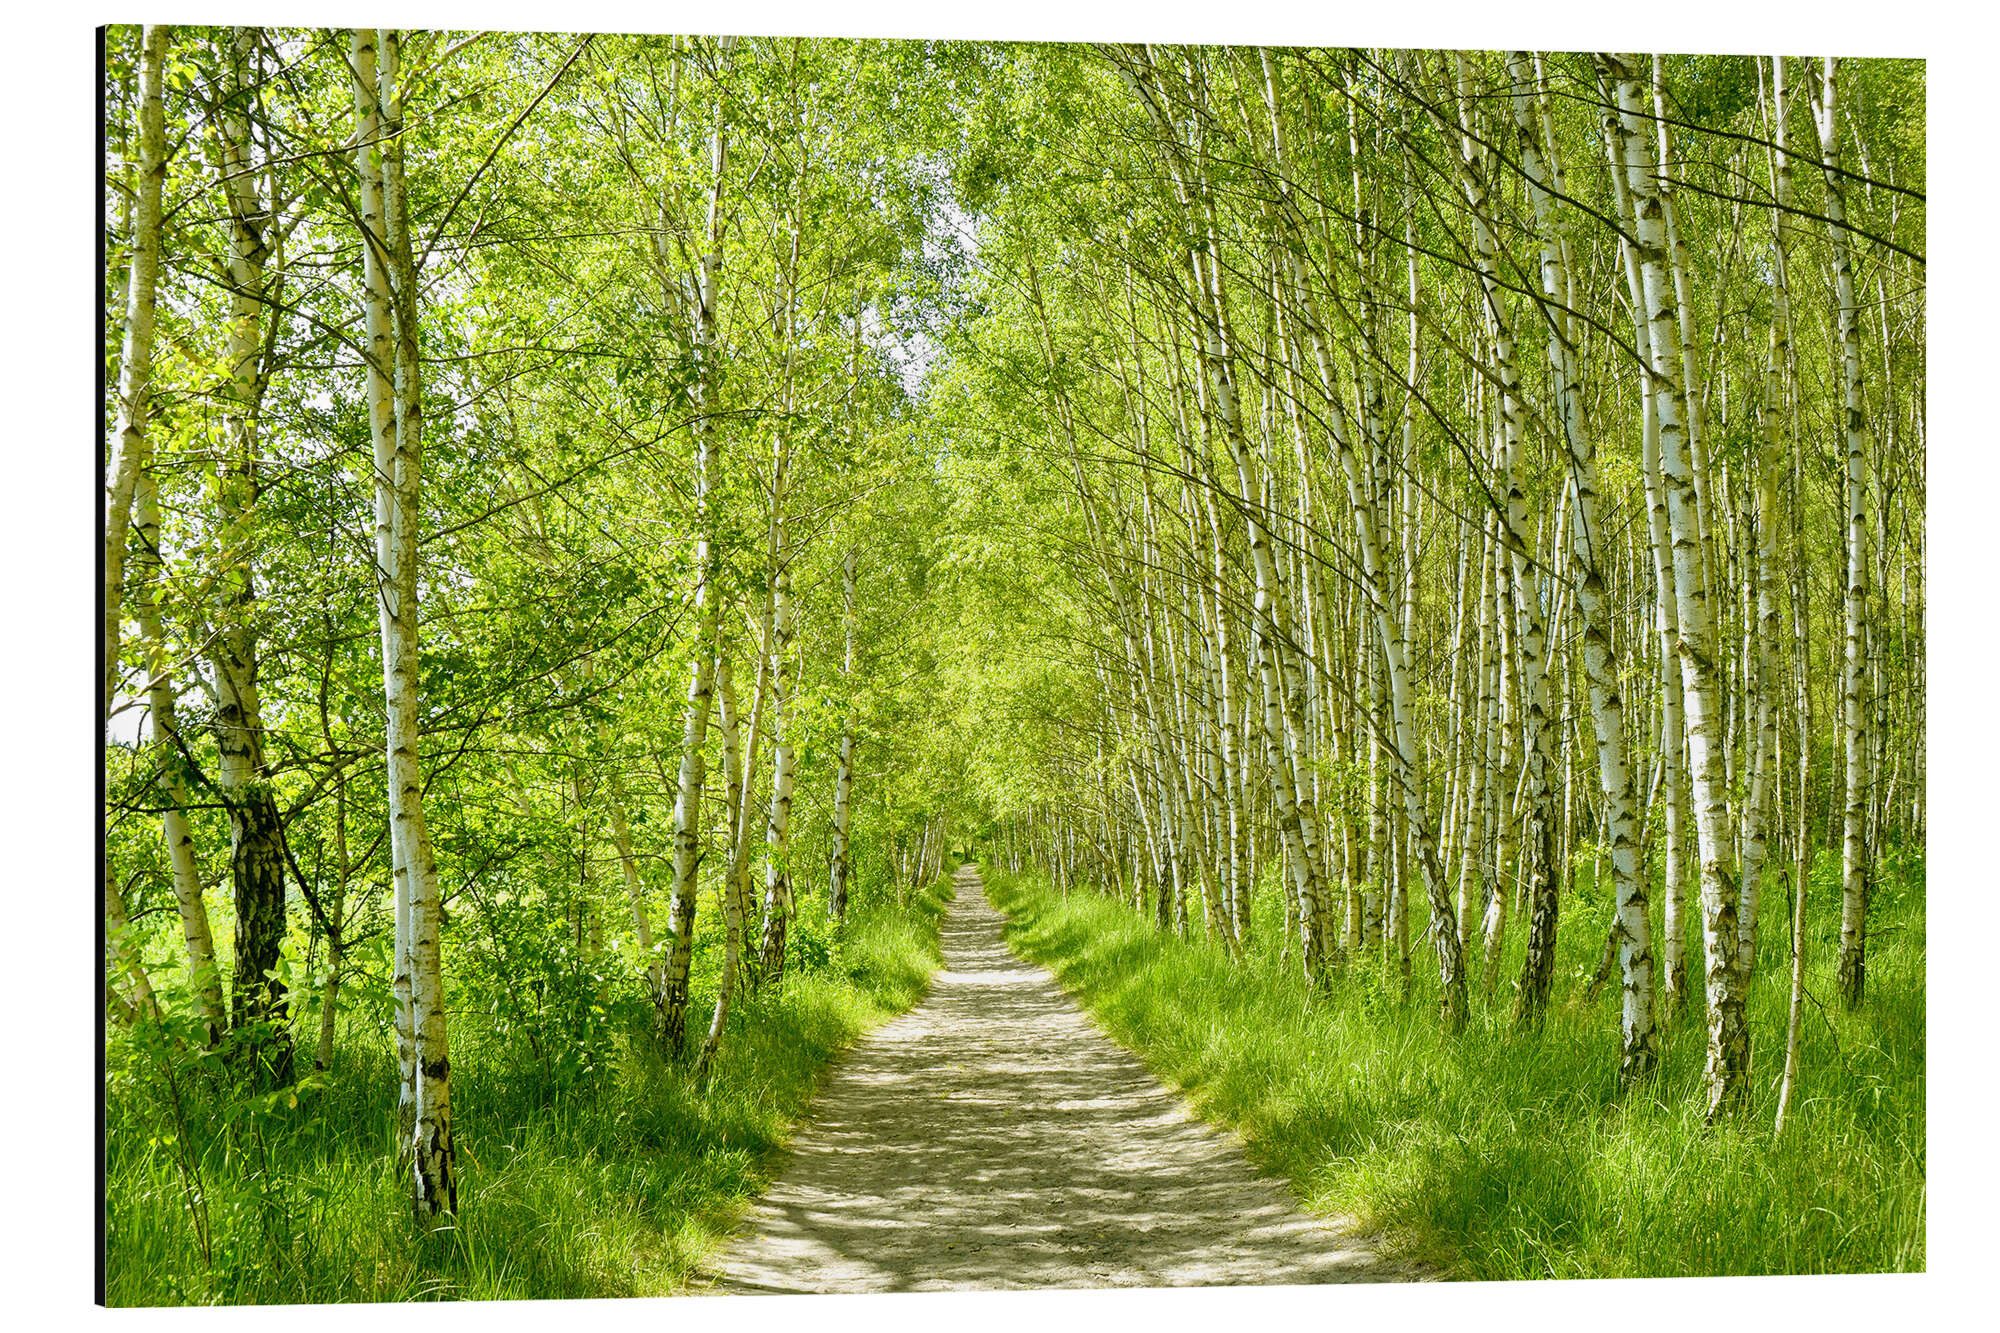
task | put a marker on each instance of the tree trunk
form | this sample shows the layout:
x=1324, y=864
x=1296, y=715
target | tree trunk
x=130, y=455
x=736, y=797
x=1531, y=632
x=778, y=827
x=169, y=747
x=706, y=601
x=1589, y=552
x=256, y=855
x=131, y=449
x=1727, y=1073
x=1854, y=703
x=843, y=778
x=395, y=418
x=1444, y=927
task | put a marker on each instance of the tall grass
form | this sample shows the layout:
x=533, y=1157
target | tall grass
x=614, y=1184
x=1506, y=1155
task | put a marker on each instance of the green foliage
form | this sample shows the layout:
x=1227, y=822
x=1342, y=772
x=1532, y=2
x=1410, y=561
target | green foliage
x=1503, y=1155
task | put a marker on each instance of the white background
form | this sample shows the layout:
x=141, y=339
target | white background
x=49, y=504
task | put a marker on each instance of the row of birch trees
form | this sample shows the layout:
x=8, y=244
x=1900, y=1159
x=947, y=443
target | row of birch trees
x=512, y=524
x=1472, y=474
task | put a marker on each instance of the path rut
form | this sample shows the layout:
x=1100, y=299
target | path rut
x=993, y=1137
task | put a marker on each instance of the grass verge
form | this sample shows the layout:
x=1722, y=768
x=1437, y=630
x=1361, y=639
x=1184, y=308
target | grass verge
x=1504, y=1155
x=614, y=1183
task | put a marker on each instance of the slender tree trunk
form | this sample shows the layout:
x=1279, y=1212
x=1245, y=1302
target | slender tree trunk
x=1473, y=837
x=395, y=394
x=1802, y=832
x=256, y=830
x=1444, y=927
x=706, y=601
x=382, y=363
x=1538, y=965
x=130, y=456
x=1728, y=1066
x=1589, y=555
x=1297, y=820
x=843, y=779
x=736, y=798
x=1854, y=702
x=121, y=958
x=131, y=450
x=170, y=747
x=778, y=827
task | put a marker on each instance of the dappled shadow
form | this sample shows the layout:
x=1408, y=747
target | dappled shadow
x=994, y=1137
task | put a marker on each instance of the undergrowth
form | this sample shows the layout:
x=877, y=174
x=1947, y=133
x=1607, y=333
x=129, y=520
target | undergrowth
x=614, y=1179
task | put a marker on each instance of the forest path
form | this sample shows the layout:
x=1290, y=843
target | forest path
x=993, y=1137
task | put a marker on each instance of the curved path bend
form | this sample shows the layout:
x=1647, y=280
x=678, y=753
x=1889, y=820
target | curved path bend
x=993, y=1137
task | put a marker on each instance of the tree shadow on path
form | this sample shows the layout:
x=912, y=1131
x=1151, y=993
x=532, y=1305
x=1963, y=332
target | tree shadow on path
x=993, y=1137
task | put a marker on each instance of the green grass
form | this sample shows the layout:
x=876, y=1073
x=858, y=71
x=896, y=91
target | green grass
x=1502, y=1155
x=615, y=1184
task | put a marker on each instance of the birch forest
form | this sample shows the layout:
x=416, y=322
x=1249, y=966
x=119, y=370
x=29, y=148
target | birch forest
x=1399, y=575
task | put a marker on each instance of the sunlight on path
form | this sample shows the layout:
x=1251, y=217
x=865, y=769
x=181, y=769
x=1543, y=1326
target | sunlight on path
x=994, y=1137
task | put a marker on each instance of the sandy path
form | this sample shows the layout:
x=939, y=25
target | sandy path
x=994, y=1137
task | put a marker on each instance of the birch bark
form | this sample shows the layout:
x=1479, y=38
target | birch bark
x=843, y=780
x=131, y=448
x=1444, y=927
x=130, y=453
x=705, y=600
x=1728, y=1062
x=1672, y=726
x=1531, y=632
x=1589, y=555
x=395, y=418
x=1854, y=703
x=734, y=772
x=256, y=854
x=162, y=691
x=778, y=825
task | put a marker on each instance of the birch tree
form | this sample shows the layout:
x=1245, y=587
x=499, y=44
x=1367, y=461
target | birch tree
x=395, y=400
x=1728, y=1062
x=705, y=599
x=1854, y=703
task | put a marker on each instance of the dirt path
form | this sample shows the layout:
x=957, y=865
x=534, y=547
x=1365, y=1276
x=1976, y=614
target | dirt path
x=994, y=1137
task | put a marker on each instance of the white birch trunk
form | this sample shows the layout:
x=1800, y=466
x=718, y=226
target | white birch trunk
x=256, y=855
x=1854, y=703
x=204, y=976
x=706, y=601
x=131, y=449
x=395, y=394
x=1537, y=734
x=1672, y=726
x=778, y=825
x=1728, y=1063
x=1589, y=555
x=735, y=798
x=843, y=779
